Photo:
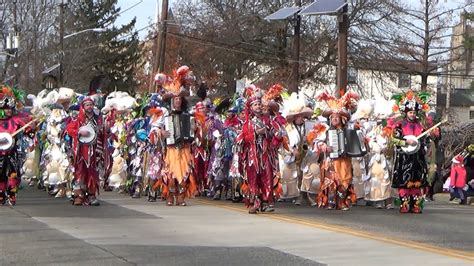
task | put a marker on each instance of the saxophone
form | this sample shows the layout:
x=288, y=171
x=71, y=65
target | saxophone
x=302, y=149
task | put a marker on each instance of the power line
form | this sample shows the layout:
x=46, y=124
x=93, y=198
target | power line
x=225, y=47
x=123, y=11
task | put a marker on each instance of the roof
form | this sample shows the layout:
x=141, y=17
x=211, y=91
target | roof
x=395, y=65
x=51, y=69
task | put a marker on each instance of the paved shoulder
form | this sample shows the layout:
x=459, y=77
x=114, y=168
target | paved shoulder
x=133, y=231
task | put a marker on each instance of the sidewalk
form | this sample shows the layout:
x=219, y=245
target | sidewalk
x=444, y=198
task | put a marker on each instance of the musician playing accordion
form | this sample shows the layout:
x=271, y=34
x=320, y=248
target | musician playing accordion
x=10, y=122
x=177, y=131
x=85, y=132
x=336, y=189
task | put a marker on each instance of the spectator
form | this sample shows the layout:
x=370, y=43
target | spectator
x=458, y=185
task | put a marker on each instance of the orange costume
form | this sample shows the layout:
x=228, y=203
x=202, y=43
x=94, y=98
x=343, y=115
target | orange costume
x=177, y=174
x=336, y=172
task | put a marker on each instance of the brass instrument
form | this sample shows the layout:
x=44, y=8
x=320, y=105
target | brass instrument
x=303, y=150
x=303, y=146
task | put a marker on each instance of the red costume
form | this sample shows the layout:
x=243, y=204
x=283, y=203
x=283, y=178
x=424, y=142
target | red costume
x=254, y=141
x=9, y=161
x=200, y=150
x=86, y=156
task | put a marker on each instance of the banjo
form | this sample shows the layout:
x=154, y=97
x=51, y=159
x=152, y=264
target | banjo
x=91, y=135
x=7, y=140
x=412, y=149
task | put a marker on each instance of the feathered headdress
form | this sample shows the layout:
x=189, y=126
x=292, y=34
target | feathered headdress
x=273, y=96
x=238, y=106
x=411, y=101
x=343, y=106
x=175, y=88
x=274, y=93
x=162, y=79
x=11, y=97
x=252, y=91
x=253, y=94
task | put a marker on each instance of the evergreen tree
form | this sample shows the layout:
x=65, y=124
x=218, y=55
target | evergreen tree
x=113, y=54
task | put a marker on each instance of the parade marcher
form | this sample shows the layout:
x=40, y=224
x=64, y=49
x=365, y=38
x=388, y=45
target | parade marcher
x=200, y=149
x=233, y=125
x=57, y=172
x=177, y=174
x=137, y=145
x=336, y=175
x=291, y=159
x=156, y=147
x=410, y=167
x=271, y=105
x=214, y=128
x=224, y=139
x=11, y=120
x=376, y=165
x=311, y=164
x=254, y=142
x=85, y=131
x=117, y=114
x=435, y=159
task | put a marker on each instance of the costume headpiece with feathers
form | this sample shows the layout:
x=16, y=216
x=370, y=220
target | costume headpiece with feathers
x=11, y=97
x=273, y=97
x=411, y=101
x=175, y=87
x=253, y=94
x=343, y=106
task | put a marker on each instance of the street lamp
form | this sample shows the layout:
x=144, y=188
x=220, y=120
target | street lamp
x=61, y=46
x=319, y=7
x=82, y=31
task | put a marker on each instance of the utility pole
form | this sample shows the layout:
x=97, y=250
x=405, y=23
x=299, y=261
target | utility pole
x=343, y=21
x=155, y=52
x=448, y=91
x=162, y=36
x=61, y=43
x=295, y=65
x=16, y=43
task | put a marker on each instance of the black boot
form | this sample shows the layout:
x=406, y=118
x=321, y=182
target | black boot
x=152, y=195
x=3, y=197
x=217, y=193
x=228, y=194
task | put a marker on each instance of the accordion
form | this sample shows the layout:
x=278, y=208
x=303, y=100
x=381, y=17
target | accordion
x=180, y=127
x=347, y=142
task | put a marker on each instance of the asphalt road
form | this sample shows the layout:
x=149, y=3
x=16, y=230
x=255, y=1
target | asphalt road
x=124, y=231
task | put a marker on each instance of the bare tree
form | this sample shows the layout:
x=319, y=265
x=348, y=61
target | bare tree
x=35, y=25
x=411, y=38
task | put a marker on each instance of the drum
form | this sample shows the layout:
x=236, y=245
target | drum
x=91, y=137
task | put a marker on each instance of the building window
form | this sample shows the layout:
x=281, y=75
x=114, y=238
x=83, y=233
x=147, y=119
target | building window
x=404, y=80
x=471, y=114
x=352, y=76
